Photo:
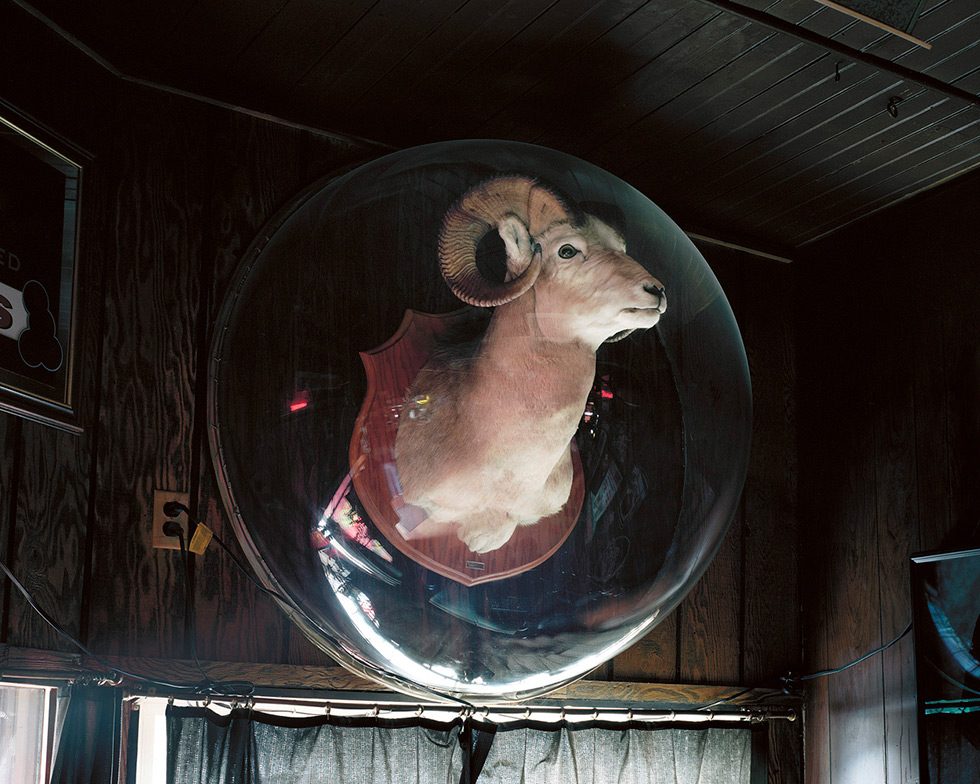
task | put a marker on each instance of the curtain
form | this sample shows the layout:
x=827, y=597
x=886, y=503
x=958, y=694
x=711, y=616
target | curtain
x=88, y=748
x=255, y=748
x=622, y=755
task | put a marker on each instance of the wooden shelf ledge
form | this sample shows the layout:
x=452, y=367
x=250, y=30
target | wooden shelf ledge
x=32, y=663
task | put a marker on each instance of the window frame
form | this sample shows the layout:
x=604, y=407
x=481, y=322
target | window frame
x=51, y=714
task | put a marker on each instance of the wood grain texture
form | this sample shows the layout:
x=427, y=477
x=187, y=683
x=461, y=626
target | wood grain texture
x=654, y=658
x=149, y=365
x=19, y=662
x=259, y=168
x=898, y=531
x=45, y=500
x=300, y=650
x=52, y=505
x=741, y=623
x=689, y=48
x=785, y=758
x=931, y=431
x=857, y=127
x=962, y=359
x=10, y=441
x=811, y=84
x=667, y=694
x=308, y=28
x=863, y=130
x=729, y=124
x=769, y=591
x=605, y=28
x=844, y=471
x=256, y=168
x=372, y=48
x=816, y=734
x=534, y=38
x=814, y=592
x=894, y=483
x=853, y=608
x=771, y=626
x=710, y=617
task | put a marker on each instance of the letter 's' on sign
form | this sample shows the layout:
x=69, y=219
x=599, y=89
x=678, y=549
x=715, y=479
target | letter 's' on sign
x=13, y=315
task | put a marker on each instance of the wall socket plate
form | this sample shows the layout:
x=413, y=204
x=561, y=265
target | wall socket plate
x=160, y=539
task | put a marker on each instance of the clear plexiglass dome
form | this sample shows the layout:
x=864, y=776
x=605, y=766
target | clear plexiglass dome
x=375, y=437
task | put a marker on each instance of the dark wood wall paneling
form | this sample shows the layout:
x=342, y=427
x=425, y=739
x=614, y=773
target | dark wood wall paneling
x=175, y=193
x=889, y=401
x=44, y=482
x=740, y=624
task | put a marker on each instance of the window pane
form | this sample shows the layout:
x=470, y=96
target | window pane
x=23, y=712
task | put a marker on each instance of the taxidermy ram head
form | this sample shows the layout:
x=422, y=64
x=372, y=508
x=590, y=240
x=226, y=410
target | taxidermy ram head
x=494, y=449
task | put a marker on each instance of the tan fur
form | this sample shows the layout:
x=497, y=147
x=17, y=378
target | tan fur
x=492, y=451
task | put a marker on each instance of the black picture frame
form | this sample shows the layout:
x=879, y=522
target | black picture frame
x=40, y=199
x=946, y=612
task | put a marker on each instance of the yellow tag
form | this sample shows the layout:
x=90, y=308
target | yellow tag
x=201, y=539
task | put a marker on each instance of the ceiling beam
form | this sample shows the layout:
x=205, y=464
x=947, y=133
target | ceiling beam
x=801, y=33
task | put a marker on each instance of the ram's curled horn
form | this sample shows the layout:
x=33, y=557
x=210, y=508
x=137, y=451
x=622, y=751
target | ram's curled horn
x=477, y=212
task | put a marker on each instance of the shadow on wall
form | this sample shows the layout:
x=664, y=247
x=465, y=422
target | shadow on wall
x=966, y=408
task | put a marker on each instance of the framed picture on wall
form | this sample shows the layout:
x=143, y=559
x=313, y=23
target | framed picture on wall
x=40, y=181
x=946, y=606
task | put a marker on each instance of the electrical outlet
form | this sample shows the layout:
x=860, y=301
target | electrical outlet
x=160, y=539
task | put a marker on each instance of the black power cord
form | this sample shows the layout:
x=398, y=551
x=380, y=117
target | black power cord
x=789, y=683
x=111, y=669
x=208, y=685
x=174, y=509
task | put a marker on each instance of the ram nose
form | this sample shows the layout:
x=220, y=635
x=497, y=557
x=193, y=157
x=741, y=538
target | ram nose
x=657, y=290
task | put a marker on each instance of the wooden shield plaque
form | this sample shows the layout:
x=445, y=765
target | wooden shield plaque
x=391, y=368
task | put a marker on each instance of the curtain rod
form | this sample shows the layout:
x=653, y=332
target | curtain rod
x=547, y=714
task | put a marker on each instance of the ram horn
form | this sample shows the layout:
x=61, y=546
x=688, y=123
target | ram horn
x=474, y=215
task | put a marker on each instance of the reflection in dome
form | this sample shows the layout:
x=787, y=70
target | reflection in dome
x=343, y=354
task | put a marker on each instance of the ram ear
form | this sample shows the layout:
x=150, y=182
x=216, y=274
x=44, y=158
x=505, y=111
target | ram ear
x=544, y=210
x=518, y=243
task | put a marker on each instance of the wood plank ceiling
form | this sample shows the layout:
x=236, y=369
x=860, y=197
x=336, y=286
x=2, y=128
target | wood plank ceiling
x=737, y=130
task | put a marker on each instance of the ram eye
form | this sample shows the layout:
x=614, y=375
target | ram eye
x=567, y=251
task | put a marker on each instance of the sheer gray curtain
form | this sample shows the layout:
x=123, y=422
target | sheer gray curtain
x=247, y=748
x=624, y=756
